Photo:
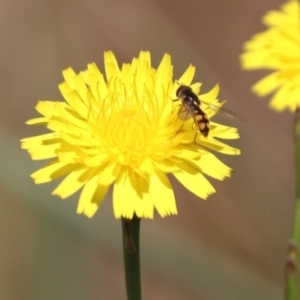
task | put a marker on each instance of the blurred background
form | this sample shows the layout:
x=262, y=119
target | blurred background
x=232, y=246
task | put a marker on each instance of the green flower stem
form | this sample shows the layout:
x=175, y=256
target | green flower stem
x=131, y=251
x=292, y=263
x=291, y=274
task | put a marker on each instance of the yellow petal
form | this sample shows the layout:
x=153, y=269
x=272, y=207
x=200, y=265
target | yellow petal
x=81, y=89
x=73, y=182
x=109, y=173
x=211, y=95
x=164, y=73
x=91, y=197
x=145, y=57
x=212, y=166
x=73, y=100
x=220, y=147
x=44, y=151
x=70, y=116
x=187, y=76
x=140, y=185
x=129, y=197
x=111, y=65
x=286, y=96
x=223, y=132
x=96, y=160
x=69, y=76
x=52, y=171
x=195, y=182
x=35, y=141
x=124, y=198
x=268, y=84
x=196, y=87
x=162, y=194
x=37, y=121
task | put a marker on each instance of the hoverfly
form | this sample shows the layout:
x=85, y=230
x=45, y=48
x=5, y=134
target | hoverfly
x=191, y=105
x=191, y=108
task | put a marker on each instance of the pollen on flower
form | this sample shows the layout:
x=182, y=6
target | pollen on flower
x=124, y=131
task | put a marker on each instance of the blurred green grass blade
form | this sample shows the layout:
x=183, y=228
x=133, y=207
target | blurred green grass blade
x=292, y=263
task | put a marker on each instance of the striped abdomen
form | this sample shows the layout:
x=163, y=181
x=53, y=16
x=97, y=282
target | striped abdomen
x=201, y=120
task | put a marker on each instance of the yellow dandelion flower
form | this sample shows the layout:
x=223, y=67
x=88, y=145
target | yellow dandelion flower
x=124, y=131
x=277, y=49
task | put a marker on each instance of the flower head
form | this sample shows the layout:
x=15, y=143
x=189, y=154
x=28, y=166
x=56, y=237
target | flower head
x=124, y=131
x=277, y=49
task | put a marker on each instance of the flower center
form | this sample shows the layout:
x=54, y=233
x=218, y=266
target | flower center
x=127, y=128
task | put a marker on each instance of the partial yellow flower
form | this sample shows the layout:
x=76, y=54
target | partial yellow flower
x=277, y=49
x=124, y=131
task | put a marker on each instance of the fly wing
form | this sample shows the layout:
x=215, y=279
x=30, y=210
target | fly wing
x=201, y=122
x=184, y=113
x=225, y=112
